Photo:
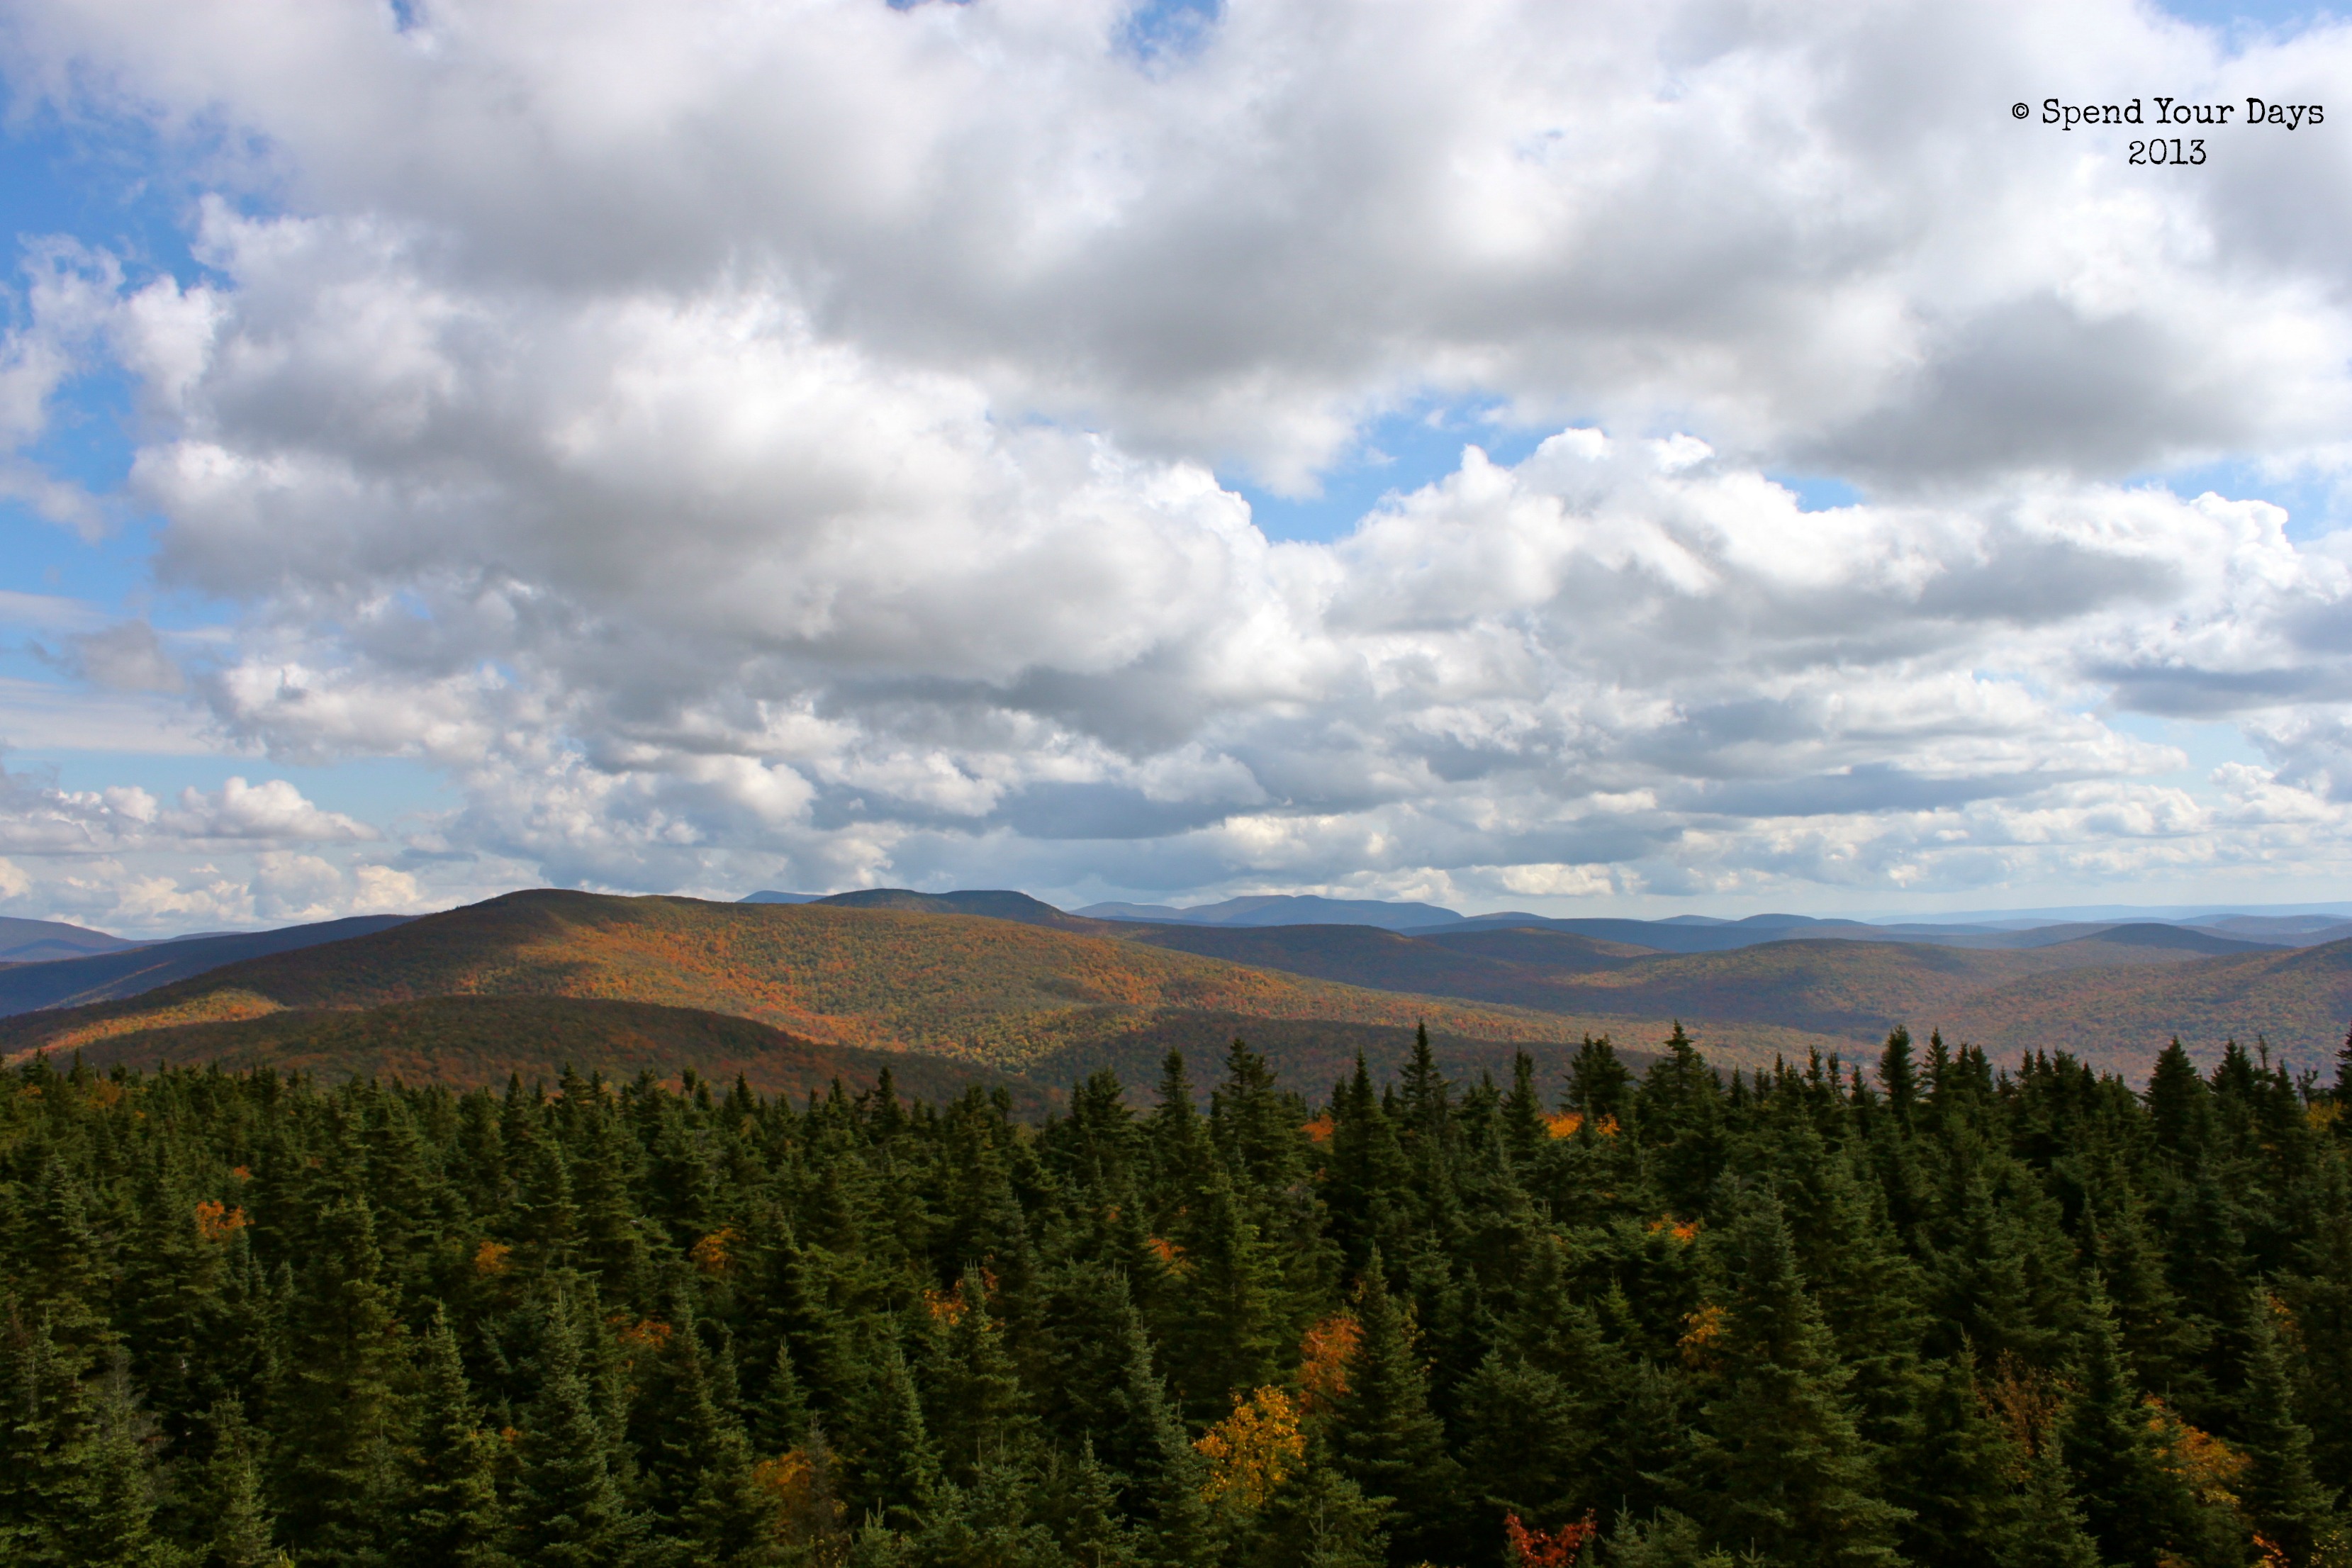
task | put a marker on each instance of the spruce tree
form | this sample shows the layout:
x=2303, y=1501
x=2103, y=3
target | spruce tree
x=779, y=1420
x=2291, y=1510
x=119, y=1531
x=48, y=1442
x=451, y=1511
x=889, y=1468
x=1785, y=1465
x=569, y=1510
x=1898, y=1077
x=331, y=1413
x=2131, y=1505
x=1219, y=1315
x=223, y=1503
x=1384, y=1436
x=977, y=1406
x=1319, y=1518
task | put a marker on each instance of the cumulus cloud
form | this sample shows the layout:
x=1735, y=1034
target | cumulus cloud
x=37, y=817
x=782, y=444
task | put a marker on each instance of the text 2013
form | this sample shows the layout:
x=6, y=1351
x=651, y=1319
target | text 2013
x=2157, y=150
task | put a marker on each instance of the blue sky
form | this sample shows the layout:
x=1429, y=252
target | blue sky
x=582, y=623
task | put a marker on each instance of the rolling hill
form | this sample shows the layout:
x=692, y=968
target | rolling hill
x=39, y=941
x=112, y=976
x=1472, y=965
x=1846, y=993
x=1052, y=995
x=1282, y=910
x=467, y=1041
x=2298, y=1000
x=985, y=990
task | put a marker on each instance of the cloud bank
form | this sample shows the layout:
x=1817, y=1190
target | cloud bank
x=782, y=446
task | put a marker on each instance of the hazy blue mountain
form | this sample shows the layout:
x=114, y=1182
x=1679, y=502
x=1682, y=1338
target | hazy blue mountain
x=1688, y=934
x=1285, y=910
x=997, y=903
x=110, y=976
x=769, y=896
x=39, y=941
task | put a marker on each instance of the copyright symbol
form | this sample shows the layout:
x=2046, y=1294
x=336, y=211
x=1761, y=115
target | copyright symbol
x=2018, y=111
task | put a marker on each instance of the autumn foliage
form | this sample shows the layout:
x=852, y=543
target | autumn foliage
x=1536, y=1549
x=1253, y=1451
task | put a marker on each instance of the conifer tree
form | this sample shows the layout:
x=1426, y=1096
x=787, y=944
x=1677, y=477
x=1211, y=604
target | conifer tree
x=2178, y=1104
x=224, y=1508
x=1787, y=1469
x=1528, y=1440
x=1220, y=1316
x=119, y=1531
x=889, y=1469
x=1082, y=1505
x=781, y=1419
x=1598, y=1080
x=1366, y=1173
x=976, y=1399
x=2291, y=1512
x=451, y=1511
x=1898, y=1077
x=1384, y=1436
x=569, y=1510
x=331, y=1413
x=2047, y=1530
x=2131, y=1506
x=1255, y=1126
x=48, y=1439
x=1524, y=1134
x=1320, y=1518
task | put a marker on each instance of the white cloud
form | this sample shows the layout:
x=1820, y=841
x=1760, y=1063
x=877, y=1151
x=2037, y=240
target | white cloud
x=43, y=819
x=779, y=444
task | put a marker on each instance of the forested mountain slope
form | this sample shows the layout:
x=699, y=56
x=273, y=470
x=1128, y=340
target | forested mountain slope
x=468, y=1041
x=988, y=990
x=2115, y=997
x=2298, y=1000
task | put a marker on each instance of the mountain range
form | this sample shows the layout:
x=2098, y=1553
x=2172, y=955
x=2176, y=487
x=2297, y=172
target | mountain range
x=1005, y=989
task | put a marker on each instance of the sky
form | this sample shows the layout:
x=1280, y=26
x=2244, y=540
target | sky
x=1634, y=459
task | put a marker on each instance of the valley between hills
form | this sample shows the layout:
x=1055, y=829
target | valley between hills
x=1003, y=990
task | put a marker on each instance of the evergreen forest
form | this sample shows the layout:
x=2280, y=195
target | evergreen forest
x=1934, y=1313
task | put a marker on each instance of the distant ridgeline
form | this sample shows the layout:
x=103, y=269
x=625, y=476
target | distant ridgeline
x=1651, y=1318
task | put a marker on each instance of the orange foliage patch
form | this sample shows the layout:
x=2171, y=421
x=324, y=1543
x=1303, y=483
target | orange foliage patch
x=1324, y=1353
x=1537, y=1549
x=490, y=1259
x=946, y=1307
x=784, y=1474
x=216, y=1221
x=648, y=1334
x=1319, y=1129
x=212, y=1007
x=797, y=1487
x=1684, y=1231
x=1700, y=1329
x=1169, y=1253
x=1568, y=1123
x=241, y=1172
x=2026, y=1401
x=2209, y=1467
x=710, y=1255
x=1253, y=1450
